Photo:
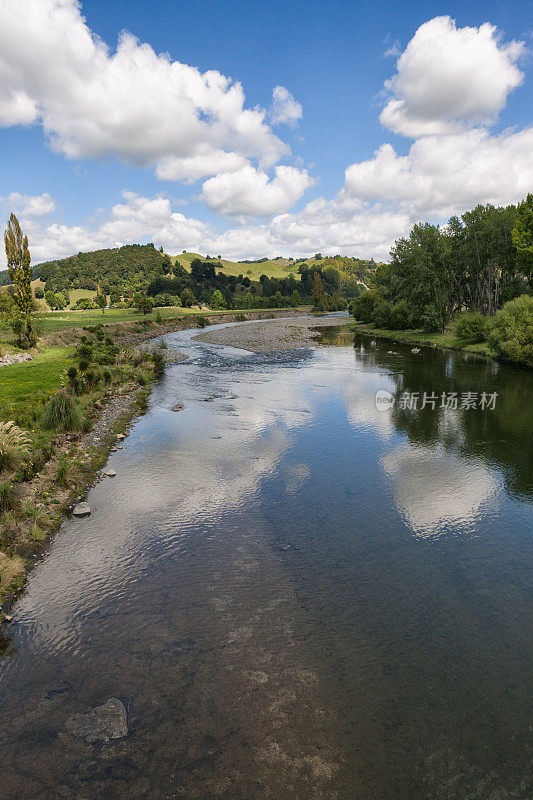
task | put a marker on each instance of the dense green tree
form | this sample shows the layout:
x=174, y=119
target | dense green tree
x=20, y=274
x=187, y=298
x=318, y=290
x=522, y=234
x=101, y=302
x=143, y=303
x=217, y=299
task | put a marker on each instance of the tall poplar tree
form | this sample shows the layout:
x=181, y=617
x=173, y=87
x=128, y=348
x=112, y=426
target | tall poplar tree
x=20, y=274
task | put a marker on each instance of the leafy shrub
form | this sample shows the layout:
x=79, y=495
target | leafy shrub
x=471, y=328
x=7, y=497
x=401, y=317
x=433, y=319
x=14, y=445
x=83, y=364
x=201, y=321
x=362, y=308
x=85, y=351
x=382, y=314
x=62, y=412
x=511, y=332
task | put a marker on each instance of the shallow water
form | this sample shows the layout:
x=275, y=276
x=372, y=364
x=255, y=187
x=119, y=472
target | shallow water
x=293, y=593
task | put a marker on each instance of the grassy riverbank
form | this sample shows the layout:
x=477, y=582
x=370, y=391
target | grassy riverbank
x=108, y=380
x=446, y=340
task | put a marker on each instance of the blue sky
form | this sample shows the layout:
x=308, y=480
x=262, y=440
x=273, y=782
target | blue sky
x=85, y=167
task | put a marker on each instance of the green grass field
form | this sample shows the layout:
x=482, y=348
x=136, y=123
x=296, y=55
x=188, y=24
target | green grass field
x=274, y=269
x=55, y=321
x=24, y=386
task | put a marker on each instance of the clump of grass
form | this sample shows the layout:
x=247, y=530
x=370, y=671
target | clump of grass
x=63, y=471
x=62, y=413
x=7, y=497
x=11, y=572
x=201, y=321
x=159, y=363
x=14, y=445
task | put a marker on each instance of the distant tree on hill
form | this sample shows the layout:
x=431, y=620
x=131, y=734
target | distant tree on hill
x=217, y=300
x=187, y=298
x=318, y=290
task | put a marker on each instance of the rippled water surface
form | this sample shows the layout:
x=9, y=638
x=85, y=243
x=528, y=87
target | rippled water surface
x=294, y=594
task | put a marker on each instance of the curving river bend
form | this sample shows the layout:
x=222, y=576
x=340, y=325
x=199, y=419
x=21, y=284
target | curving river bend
x=293, y=593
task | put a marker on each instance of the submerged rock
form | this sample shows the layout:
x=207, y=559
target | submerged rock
x=82, y=510
x=110, y=473
x=103, y=723
x=178, y=407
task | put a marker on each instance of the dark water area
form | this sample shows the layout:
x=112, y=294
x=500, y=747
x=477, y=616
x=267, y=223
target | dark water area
x=294, y=593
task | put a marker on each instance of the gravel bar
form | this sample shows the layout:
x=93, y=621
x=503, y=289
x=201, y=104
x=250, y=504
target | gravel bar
x=264, y=336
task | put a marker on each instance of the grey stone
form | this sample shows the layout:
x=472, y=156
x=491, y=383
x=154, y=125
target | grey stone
x=105, y=722
x=178, y=407
x=82, y=510
x=415, y=350
x=110, y=473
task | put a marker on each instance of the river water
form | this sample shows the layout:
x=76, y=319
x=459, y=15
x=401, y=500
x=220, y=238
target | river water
x=293, y=593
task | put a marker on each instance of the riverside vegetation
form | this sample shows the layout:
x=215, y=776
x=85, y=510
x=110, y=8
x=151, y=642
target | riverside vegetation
x=49, y=405
x=467, y=284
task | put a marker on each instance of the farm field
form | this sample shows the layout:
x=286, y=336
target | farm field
x=280, y=268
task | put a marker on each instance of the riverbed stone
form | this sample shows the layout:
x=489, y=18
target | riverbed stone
x=177, y=407
x=82, y=510
x=110, y=473
x=415, y=350
x=102, y=723
x=120, y=436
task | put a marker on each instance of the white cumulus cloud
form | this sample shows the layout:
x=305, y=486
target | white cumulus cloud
x=285, y=109
x=249, y=192
x=29, y=205
x=443, y=175
x=448, y=77
x=132, y=103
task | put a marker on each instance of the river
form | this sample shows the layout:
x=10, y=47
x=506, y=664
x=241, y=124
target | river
x=294, y=593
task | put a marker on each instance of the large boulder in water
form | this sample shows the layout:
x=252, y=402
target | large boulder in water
x=82, y=510
x=103, y=723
